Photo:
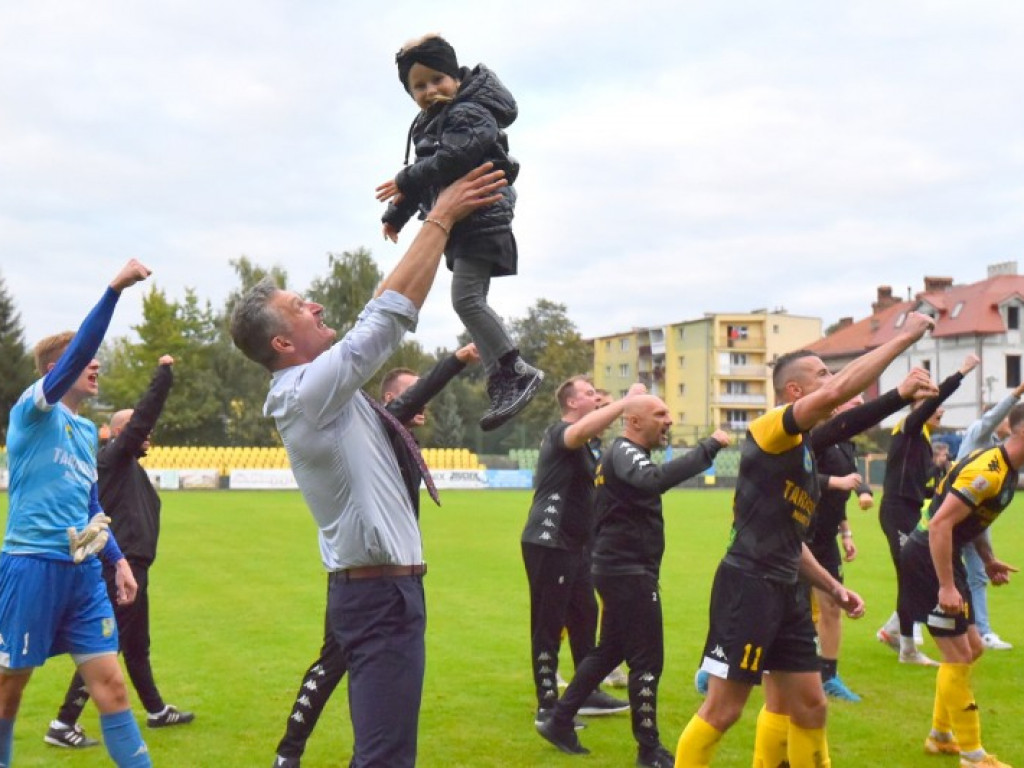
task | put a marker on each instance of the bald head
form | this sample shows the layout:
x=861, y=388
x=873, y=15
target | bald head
x=647, y=420
x=119, y=420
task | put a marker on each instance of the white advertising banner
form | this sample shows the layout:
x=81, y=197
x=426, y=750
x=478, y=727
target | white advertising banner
x=262, y=479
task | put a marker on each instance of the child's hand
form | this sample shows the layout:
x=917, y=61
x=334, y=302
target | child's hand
x=390, y=233
x=389, y=191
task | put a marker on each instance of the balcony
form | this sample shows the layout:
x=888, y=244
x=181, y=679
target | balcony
x=745, y=399
x=749, y=343
x=744, y=371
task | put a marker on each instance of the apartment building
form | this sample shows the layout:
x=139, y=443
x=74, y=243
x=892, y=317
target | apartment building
x=711, y=371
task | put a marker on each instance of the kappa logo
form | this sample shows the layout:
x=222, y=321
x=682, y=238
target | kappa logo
x=646, y=692
x=555, y=497
x=319, y=670
x=309, y=685
x=645, y=707
x=551, y=510
x=547, y=523
x=647, y=677
x=304, y=701
x=993, y=465
x=298, y=717
x=545, y=536
x=719, y=652
x=544, y=656
x=647, y=723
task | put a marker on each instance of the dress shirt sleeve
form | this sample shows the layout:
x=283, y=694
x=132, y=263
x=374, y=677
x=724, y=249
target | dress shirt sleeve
x=332, y=379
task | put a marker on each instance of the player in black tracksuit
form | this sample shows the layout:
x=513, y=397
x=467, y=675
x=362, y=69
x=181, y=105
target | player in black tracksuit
x=128, y=497
x=907, y=469
x=628, y=548
x=324, y=674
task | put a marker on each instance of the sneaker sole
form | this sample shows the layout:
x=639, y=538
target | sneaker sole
x=569, y=749
x=598, y=712
x=169, y=725
x=493, y=421
x=64, y=745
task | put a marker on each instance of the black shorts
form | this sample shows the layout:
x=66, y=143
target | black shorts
x=758, y=625
x=919, y=590
x=827, y=553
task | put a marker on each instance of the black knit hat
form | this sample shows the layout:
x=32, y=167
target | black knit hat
x=434, y=52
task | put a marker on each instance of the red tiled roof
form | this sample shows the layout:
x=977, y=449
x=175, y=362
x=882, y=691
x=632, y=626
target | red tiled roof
x=978, y=315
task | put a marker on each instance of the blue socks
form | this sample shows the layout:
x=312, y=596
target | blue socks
x=6, y=741
x=123, y=740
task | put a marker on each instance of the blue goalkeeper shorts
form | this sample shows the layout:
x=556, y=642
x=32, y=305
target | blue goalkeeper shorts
x=49, y=607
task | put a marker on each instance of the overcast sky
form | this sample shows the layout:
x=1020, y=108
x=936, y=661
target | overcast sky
x=677, y=157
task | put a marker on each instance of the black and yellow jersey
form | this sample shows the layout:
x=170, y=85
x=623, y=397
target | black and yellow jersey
x=909, y=461
x=776, y=493
x=985, y=481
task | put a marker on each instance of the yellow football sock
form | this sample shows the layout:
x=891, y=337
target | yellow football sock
x=808, y=747
x=940, y=712
x=953, y=685
x=697, y=745
x=770, y=740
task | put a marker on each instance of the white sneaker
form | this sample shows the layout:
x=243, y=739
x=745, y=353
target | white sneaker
x=893, y=641
x=994, y=642
x=916, y=657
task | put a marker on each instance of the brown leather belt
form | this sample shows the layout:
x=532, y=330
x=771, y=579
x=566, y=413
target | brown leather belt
x=379, y=572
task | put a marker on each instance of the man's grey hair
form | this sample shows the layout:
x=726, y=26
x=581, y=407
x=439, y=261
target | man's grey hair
x=254, y=322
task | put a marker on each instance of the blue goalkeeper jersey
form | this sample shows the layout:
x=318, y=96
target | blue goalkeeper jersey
x=52, y=452
x=52, y=473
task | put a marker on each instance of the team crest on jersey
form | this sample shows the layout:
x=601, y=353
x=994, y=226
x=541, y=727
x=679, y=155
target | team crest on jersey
x=980, y=483
x=107, y=625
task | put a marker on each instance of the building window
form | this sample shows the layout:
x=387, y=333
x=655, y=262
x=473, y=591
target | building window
x=1012, y=371
x=682, y=417
x=682, y=361
x=623, y=393
x=736, y=332
x=737, y=358
x=736, y=387
x=682, y=333
x=607, y=370
x=623, y=369
x=623, y=345
x=607, y=346
x=775, y=328
x=1013, y=318
x=900, y=320
x=957, y=309
x=682, y=389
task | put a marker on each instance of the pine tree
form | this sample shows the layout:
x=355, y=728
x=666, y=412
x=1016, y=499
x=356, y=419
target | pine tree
x=17, y=374
x=447, y=428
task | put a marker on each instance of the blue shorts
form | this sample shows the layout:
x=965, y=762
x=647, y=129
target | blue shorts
x=50, y=607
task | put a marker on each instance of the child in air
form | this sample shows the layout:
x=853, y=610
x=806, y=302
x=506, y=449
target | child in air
x=461, y=124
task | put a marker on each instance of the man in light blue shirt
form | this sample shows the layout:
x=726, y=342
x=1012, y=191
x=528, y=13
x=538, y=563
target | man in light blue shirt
x=340, y=452
x=992, y=428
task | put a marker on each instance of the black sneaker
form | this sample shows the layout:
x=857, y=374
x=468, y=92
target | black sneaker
x=171, y=715
x=285, y=762
x=70, y=736
x=563, y=737
x=545, y=713
x=655, y=757
x=600, y=703
x=511, y=388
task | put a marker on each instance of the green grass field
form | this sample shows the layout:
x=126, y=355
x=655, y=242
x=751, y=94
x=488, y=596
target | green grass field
x=238, y=599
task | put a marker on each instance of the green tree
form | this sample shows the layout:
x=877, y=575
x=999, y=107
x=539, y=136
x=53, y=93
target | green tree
x=548, y=339
x=448, y=430
x=243, y=383
x=18, y=370
x=186, y=331
x=351, y=279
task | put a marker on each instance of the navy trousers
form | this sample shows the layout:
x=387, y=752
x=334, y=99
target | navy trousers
x=379, y=625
